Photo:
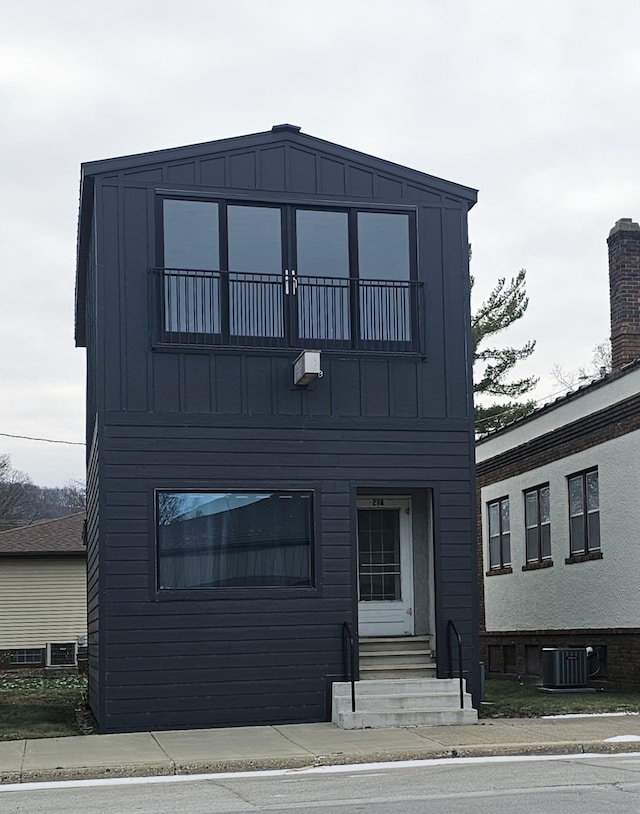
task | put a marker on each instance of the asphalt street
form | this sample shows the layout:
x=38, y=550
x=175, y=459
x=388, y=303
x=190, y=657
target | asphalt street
x=553, y=784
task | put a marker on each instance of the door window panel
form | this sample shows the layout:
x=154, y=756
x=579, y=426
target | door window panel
x=191, y=235
x=322, y=266
x=384, y=255
x=379, y=555
x=383, y=246
x=191, y=246
x=254, y=235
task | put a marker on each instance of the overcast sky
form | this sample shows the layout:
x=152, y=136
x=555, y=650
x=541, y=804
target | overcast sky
x=536, y=104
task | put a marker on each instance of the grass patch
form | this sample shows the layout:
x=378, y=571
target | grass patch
x=41, y=706
x=511, y=699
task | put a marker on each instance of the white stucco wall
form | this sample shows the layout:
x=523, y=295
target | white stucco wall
x=595, y=594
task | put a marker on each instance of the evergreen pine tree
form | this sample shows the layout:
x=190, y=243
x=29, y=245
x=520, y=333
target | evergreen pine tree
x=505, y=305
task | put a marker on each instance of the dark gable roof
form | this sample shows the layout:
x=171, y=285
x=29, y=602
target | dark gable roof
x=279, y=134
x=63, y=535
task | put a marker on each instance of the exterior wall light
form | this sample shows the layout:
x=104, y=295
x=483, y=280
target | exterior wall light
x=306, y=367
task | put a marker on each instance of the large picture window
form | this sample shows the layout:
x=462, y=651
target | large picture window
x=234, y=539
x=286, y=275
x=584, y=512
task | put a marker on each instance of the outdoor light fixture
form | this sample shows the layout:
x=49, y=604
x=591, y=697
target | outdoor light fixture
x=306, y=367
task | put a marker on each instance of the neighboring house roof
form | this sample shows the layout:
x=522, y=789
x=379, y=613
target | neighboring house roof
x=561, y=401
x=61, y=536
x=596, y=413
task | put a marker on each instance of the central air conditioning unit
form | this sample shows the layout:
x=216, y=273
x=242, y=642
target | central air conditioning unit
x=564, y=667
x=61, y=654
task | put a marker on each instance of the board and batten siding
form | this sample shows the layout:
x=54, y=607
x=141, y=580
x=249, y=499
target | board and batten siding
x=254, y=383
x=229, y=418
x=44, y=599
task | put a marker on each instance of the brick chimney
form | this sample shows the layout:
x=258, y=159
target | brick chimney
x=624, y=292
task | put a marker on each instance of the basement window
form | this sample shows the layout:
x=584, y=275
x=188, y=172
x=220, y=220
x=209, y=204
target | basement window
x=29, y=655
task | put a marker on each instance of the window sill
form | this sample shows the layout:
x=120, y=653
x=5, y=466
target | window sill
x=496, y=572
x=536, y=566
x=236, y=593
x=592, y=555
x=159, y=346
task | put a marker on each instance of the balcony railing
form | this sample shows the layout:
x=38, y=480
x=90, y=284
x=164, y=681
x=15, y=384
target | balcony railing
x=240, y=309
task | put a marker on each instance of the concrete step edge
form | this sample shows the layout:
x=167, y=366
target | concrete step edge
x=368, y=639
x=404, y=718
x=373, y=654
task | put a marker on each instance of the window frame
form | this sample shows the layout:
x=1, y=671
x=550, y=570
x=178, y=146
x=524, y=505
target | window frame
x=588, y=550
x=541, y=559
x=25, y=656
x=504, y=546
x=236, y=592
x=222, y=277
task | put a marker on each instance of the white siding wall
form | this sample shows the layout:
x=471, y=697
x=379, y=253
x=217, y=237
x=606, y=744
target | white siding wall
x=596, y=594
x=42, y=600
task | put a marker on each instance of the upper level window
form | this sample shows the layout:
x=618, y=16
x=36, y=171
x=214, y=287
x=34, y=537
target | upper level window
x=537, y=520
x=191, y=235
x=191, y=240
x=234, y=539
x=287, y=276
x=499, y=534
x=584, y=512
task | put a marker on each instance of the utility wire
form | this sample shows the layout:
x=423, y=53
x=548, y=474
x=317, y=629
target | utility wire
x=536, y=401
x=48, y=440
x=82, y=443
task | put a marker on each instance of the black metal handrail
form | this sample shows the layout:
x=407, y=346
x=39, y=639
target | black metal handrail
x=349, y=660
x=253, y=309
x=451, y=628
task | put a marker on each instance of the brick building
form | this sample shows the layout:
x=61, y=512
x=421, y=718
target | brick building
x=558, y=512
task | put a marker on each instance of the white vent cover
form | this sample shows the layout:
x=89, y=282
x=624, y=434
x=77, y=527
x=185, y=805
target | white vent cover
x=306, y=367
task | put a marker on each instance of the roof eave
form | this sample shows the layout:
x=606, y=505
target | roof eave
x=85, y=213
x=191, y=151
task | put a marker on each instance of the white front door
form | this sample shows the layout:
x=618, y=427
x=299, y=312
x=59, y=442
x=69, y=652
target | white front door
x=385, y=566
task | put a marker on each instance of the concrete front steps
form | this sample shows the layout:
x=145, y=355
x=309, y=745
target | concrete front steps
x=401, y=702
x=396, y=657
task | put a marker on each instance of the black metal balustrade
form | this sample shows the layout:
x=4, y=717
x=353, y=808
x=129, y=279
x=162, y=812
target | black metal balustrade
x=349, y=660
x=240, y=309
x=451, y=629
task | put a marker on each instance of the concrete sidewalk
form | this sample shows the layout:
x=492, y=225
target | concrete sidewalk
x=304, y=745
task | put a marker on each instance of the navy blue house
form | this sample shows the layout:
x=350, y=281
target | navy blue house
x=242, y=508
